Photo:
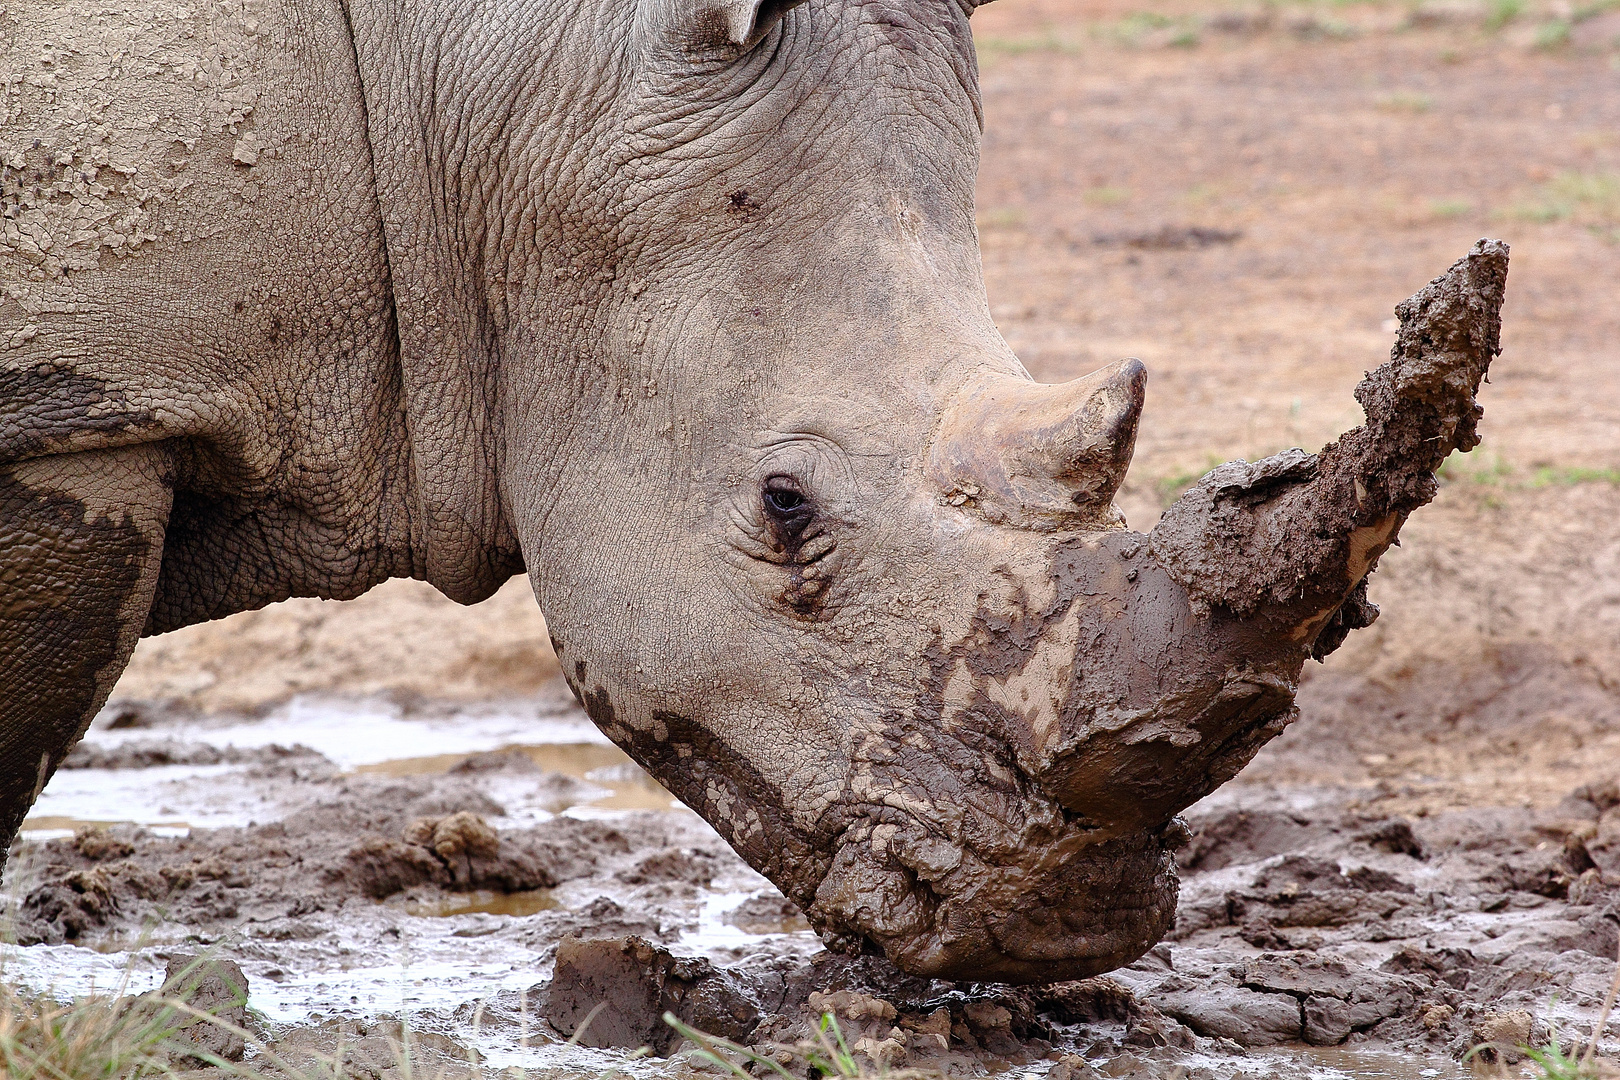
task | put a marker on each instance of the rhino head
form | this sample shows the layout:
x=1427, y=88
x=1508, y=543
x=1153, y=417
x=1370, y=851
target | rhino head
x=813, y=547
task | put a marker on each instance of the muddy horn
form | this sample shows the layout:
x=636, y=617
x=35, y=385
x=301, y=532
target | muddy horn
x=1189, y=642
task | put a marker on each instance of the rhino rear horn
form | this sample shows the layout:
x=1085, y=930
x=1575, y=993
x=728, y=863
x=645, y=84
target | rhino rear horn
x=1039, y=455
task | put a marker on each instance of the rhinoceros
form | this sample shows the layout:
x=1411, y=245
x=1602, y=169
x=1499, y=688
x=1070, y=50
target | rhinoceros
x=675, y=306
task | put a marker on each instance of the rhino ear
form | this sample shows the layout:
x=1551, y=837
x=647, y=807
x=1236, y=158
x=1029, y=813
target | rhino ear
x=743, y=23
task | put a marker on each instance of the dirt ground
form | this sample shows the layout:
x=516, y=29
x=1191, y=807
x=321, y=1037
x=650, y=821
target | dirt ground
x=1428, y=859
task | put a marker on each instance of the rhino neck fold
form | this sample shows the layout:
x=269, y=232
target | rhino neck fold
x=434, y=108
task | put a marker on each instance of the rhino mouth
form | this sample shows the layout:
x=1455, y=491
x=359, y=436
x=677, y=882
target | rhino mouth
x=1067, y=905
x=940, y=852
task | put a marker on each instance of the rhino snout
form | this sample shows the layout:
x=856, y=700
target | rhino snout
x=1070, y=908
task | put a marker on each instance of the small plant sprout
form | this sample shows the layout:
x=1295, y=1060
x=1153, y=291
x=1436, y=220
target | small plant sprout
x=1450, y=208
x=1406, y=101
x=1553, y=34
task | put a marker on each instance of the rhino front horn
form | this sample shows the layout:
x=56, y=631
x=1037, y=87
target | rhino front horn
x=1029, y=454
x=1192, y=655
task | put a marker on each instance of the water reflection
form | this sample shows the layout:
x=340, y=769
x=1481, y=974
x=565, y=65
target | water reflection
x=485, y=902
x=605, y=766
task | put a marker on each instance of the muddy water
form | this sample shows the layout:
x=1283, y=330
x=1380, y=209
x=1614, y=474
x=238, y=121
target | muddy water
x=425, y=957
x=626, y=785
x=369, y=737
x=486, y=902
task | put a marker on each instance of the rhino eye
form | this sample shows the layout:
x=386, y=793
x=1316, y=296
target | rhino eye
x=786, y=505
x=784, y=502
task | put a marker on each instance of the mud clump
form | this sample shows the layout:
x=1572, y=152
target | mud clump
x=1335, y=1001
x=615, y=992
x=1450, y=966
x=216, y=987
x=471, y=851
x=381, y=1048
x=1238, y=836
x=380, y=867
x=153, y=753
x=674, y=865
x=1501, y=1034
x=68, y=907
x=767, y=913
x=100, y=844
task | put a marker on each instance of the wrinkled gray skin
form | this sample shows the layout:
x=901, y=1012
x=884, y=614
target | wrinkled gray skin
x=675, y=304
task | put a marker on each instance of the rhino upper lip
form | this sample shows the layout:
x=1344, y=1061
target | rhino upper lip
x=943, y=905
x=937, y=849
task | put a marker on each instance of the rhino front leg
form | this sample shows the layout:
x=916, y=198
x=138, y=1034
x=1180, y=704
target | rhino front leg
x=81, y=541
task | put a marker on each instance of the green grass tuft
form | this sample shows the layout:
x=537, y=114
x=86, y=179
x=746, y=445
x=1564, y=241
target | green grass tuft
x=1001, y=217
x=1406, y=101
x=1173, y=485
x=1553, y=34
x=1450, y=208
x=1555, y=1063
x=1503, y=12
x=1107, y=195
x=42, y=1039
x=142, y=1038
x=1590, y=198
x=1572, y=475
x=1477, y=467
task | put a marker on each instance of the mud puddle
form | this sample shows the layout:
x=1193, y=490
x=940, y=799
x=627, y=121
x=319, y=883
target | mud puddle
x=487, y=902
x=622, y=784
x=252, y=838
x=177, y=774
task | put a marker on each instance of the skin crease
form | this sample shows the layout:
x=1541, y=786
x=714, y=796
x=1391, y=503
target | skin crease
x=688, y=322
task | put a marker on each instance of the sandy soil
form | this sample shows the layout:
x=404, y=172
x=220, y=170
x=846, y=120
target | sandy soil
x=1428, y=859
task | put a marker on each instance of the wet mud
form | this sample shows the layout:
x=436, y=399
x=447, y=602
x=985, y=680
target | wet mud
x=1318, y=931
